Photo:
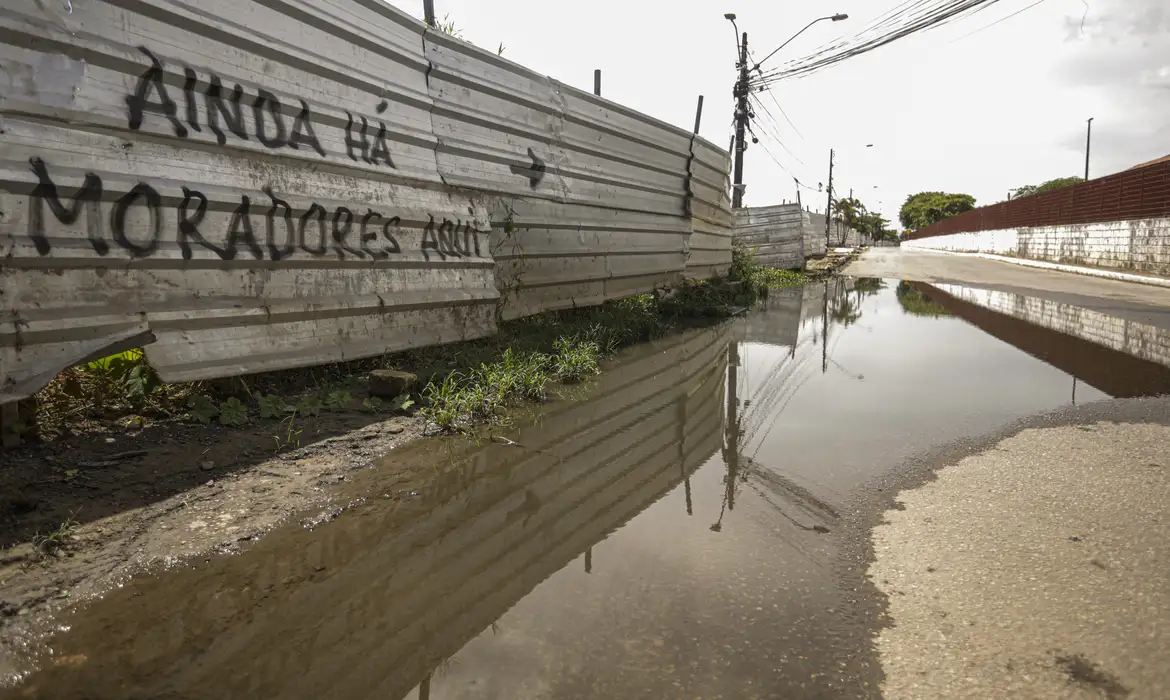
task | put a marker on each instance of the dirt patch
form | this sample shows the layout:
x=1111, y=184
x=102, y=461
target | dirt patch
x=79, y=515
x=1086, y=673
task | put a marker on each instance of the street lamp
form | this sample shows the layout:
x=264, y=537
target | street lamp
x=835, y=18
x=730, y=16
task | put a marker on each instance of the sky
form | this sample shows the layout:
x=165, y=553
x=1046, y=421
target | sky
x=971, y=107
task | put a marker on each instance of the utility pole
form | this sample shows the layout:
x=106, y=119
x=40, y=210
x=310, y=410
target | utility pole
x=829, y=206
x=741, y=120
x=1088, y=143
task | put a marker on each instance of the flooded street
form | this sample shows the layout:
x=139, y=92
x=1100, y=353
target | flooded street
x=695, y=524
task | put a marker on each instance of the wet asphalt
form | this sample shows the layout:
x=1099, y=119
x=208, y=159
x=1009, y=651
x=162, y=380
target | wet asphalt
x=700, y=523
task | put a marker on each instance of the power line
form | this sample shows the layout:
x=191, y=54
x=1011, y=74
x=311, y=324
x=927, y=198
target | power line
x=1001, y=19
x=910, y=19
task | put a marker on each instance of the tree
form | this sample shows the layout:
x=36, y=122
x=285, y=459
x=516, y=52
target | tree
x=925, y=208
x=1047, y=186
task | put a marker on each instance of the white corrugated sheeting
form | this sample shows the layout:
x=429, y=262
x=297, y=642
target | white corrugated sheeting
x=589, y=199
x=775, y=233
x=226, y=188
x=244, y=187
x=711, y=219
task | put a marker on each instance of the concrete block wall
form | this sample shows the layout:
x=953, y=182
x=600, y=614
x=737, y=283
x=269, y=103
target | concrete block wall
x=1141, y=245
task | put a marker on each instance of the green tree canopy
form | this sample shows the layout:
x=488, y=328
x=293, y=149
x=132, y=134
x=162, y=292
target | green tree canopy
x=1048, y=186
x=926, y=208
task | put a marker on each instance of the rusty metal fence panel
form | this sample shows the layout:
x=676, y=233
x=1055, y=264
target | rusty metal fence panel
x=235, y=187
x=775, y=234
x=1140, y=193
x=243, y=187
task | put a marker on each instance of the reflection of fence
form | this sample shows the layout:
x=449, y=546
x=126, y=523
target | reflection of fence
x=1140, y=193
x=370, y=604
x=244, y=187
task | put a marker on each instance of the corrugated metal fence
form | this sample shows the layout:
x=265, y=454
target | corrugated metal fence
x=775, y=233
x=244, y=187
x=1140, y=193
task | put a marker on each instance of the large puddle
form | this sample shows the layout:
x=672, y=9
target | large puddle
x=674, y=531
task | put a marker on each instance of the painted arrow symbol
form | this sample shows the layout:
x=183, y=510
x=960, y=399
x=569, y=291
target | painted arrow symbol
x=535, y=173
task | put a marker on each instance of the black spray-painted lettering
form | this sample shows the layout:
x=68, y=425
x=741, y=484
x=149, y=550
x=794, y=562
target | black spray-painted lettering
x=189, y=94
x=143, y=241
x=45, y=192
x=392, y=221
x=302, y=131
x=241, y=228
x=267, y=99
x=139, y=103
x=318, y=211
x=290, y=236
x=150, y=96
x=380, y=152
x=364, y=236
x=118, y=219
x=189, y=225
x=233, y=117
x=341, y=231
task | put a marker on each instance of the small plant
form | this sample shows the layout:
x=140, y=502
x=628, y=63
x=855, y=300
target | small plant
x=290, y=435
x=575, y=360
x=402, y=402
x=202, y=408
x=310, y=405
x=57, y=539
x=373, y=404
x=337, y=399
x=233, y=412
x=272, y=406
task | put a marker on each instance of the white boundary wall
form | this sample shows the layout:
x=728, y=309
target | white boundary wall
x=1141, y=245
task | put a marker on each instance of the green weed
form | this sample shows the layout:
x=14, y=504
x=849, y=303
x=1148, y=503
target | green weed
x=57, y=539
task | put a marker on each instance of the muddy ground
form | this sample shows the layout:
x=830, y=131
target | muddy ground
x=130, y=500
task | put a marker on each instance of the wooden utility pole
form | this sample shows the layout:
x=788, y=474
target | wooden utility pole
x=741, y=119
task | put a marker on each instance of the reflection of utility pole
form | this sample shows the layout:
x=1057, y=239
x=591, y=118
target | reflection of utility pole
x=681, y=432
x=1074, y=391
x=424, y=688
x=589, y=560
x=732, y=433
x=825, y=330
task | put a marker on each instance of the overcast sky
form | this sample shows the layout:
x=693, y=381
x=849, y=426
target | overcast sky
x=981, y=114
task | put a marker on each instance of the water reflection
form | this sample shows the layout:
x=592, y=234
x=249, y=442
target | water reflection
x=671, y=533
x=373, y=603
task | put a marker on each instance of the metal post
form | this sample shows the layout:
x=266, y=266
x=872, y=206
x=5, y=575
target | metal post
x=829, y=206
x=597, y=82
x=589, y=560
x=699, y=114
x=1088, y=143
x=429, y=13
x=741, y=118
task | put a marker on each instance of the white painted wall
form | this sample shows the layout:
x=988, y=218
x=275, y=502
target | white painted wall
x=1141, y=245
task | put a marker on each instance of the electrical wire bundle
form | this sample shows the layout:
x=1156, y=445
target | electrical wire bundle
x=903, y=20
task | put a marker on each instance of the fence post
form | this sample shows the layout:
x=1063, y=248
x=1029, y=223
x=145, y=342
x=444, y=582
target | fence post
x=429, y=13
x=597, y=82
x=698, y=114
